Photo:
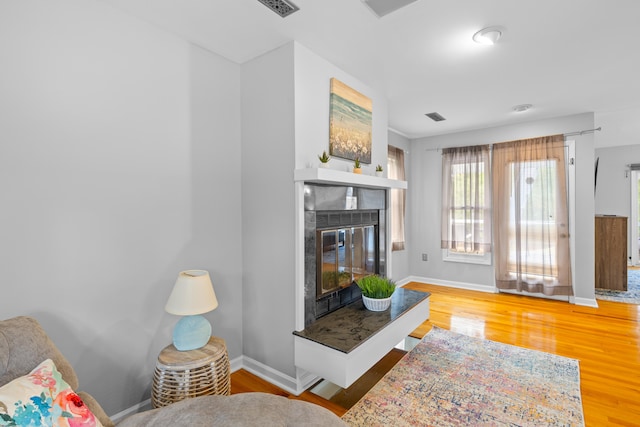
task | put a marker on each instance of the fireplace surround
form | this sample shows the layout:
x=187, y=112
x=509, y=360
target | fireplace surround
x=344, y=234
x=334, y=342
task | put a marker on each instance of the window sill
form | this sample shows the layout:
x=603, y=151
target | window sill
x=466, y=258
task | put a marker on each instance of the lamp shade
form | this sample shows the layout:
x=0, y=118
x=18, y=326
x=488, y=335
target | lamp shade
x=192, y=294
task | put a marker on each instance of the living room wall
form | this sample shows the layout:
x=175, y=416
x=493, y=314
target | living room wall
x=613, y=192
x=120, y=162
x=425, y=191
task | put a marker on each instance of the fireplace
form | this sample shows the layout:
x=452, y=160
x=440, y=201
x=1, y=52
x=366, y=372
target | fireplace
x=344, y=240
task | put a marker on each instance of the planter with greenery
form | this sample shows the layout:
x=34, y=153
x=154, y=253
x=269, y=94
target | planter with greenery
x=356, y=166
x=379, y=170
x=324, y=160
x=376, y=292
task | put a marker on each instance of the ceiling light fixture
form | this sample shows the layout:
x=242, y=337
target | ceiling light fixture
x=522, y=108
x=488, y=36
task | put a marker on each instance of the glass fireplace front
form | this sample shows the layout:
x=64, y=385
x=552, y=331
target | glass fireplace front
x=345, y=255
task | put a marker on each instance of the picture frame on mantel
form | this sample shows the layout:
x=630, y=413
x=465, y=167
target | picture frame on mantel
x=350, y=123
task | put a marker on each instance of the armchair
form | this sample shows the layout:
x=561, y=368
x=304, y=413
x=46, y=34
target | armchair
x=24, y=345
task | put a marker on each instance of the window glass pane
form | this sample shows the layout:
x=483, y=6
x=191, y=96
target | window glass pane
x=532, y=203
x=467, y=209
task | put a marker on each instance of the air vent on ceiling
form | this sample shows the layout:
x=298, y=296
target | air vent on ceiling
x=435, y=117
x=281, y=7
x=385, y=7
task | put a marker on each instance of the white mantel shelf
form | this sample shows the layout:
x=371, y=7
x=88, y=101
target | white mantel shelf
x=331, y=176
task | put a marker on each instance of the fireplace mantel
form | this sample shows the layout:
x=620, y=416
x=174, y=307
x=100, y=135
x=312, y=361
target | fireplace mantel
x=332, y=176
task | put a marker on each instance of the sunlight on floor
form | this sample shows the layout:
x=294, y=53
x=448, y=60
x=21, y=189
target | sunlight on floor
x=466, y=326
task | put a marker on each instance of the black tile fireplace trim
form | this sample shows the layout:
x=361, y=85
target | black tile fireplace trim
x=333, y=206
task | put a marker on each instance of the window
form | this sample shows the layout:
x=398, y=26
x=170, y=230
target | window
x=531, y=216
x=395, y=165
x=466, y=204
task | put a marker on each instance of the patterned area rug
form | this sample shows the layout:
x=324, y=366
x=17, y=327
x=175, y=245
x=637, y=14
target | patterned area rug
x=450, y=379
x=631, y=295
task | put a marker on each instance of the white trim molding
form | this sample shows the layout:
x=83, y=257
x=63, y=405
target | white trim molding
x=286, y=382
x=587, y=302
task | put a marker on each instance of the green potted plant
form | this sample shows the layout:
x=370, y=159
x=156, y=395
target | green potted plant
x=356, y=166
x=379, y=170
x=376, y=292
x=324, y=160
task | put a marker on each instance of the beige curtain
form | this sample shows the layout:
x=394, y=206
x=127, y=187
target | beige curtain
x=466, y=200
x=398, y=197
x=530, y=216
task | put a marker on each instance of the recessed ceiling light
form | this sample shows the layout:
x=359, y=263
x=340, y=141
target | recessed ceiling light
x=522, y=108
x=488, y=36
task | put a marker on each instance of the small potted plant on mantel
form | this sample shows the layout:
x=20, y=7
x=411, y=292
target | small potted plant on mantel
x=324, y=160
x=376, y=292
x=379, y=170
x=356, y=166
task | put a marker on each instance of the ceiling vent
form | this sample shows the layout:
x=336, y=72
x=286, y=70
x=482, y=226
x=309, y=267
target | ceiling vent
x=435, y=117
x=385, y=7
x=281, y=7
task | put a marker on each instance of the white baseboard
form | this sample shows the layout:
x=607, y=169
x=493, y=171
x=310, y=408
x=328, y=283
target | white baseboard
x=587, y=302
x=286, y=382
x=145, y=405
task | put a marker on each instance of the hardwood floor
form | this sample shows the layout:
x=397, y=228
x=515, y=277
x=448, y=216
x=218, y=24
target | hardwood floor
x=606, y=341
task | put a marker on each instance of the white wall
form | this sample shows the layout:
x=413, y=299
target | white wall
x=425, y=190
x=268, y=209
x=613, y=192
x=111, y=135
x=619, y=127
x=312, y=87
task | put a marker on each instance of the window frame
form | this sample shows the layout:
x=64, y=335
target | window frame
x=486, y=258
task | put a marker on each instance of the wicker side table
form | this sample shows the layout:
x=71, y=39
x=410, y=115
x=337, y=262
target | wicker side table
x=182, y=374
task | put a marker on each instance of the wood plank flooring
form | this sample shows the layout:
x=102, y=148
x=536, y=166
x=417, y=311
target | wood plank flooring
x=606, y=341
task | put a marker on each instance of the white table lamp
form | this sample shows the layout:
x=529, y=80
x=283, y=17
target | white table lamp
x=192, y=295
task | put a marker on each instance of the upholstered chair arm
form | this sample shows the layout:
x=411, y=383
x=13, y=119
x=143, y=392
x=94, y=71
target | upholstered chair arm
x=95, y=407
x=238, y=410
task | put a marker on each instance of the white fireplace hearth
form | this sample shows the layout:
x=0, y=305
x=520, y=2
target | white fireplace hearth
x=334, y=191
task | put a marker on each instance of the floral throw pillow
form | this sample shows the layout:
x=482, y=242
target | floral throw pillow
x=43, y=398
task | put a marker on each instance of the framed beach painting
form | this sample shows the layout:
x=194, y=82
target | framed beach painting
x=350, y=115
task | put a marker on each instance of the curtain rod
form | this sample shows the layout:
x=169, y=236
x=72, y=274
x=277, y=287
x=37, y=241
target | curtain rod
x=581, y=132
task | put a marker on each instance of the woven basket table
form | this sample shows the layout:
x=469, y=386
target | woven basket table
x=183, y=374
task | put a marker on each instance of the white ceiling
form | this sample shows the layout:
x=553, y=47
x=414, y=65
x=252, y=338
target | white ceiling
x=563, y=56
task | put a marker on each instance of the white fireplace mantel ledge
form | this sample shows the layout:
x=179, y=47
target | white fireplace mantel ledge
x=332, y=176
